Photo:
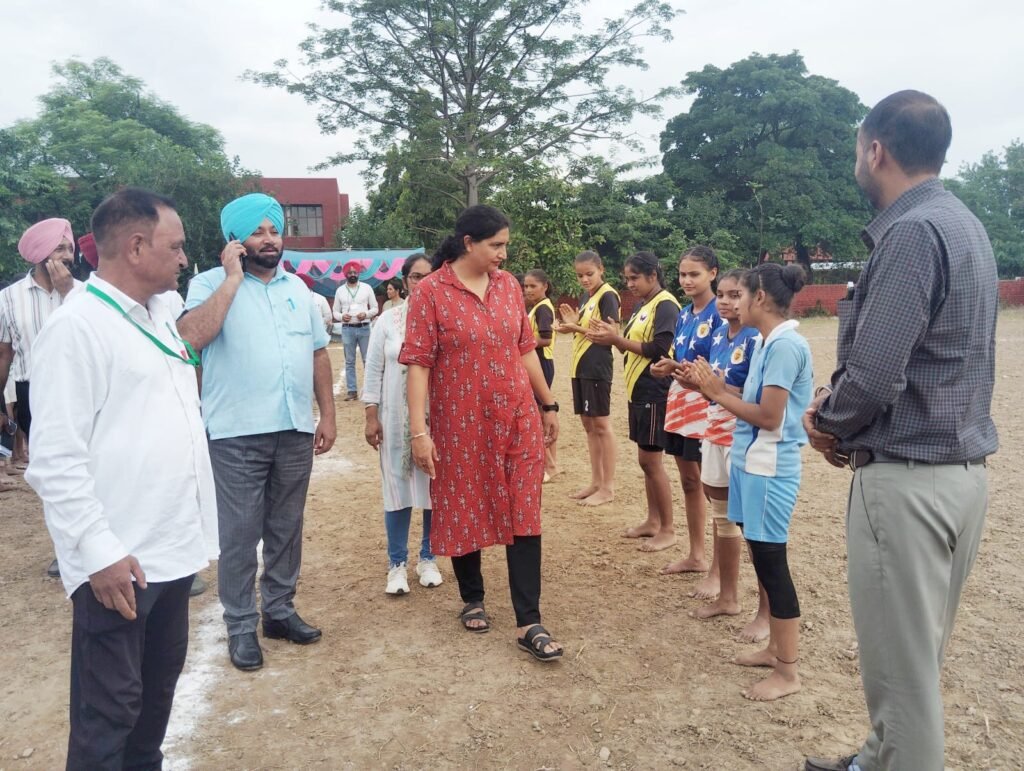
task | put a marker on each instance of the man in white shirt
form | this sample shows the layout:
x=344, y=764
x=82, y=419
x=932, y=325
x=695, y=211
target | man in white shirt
x=49, y=246
x=355, y=305
x=120, y=460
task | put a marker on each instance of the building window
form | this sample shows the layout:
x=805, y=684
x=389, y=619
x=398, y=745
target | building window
x=302, y=220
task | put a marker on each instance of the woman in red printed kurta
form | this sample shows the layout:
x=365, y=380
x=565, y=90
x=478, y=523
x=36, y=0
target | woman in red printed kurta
x=469, y=346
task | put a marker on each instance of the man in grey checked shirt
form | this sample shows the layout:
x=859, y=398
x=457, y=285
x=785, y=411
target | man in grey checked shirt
x=908, y=409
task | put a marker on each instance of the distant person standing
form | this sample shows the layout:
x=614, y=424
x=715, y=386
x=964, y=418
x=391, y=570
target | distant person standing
x=395, y=292
x=120, y=460
x=909, y=410
x=264, y=356
x=355, y=305
x=49, y=246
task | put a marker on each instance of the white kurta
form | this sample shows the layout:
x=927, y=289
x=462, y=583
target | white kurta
x=384, y=384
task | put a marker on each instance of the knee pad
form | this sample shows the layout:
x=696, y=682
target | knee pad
x=720, y=513
x=772, y=570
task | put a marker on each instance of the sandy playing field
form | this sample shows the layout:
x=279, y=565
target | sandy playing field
x=395, y=683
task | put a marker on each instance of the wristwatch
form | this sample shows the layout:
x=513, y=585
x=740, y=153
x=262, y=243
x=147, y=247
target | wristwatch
x=553, y=407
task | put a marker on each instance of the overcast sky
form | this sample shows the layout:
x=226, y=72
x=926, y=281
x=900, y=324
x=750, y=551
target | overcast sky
x=191, y=53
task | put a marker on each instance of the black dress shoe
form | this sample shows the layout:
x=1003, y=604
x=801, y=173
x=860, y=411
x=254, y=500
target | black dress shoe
x=292, y=628
x=829, y=764
x=245, y=651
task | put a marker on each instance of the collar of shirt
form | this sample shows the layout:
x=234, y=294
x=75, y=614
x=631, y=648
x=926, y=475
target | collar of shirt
x=280, y=274
x=785, y=326
x=446, y=275
x=915, y=196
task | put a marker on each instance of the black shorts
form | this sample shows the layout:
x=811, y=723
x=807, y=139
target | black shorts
x=647, y=425
x=547, y=366
x=591, y=398
x=684, y=447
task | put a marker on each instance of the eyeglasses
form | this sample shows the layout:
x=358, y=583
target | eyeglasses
x=417, y=276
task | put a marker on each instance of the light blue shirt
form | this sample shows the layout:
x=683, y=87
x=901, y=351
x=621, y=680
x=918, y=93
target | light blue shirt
x=783, y=360
x=258, y=372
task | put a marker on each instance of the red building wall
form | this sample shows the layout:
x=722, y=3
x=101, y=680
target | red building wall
x=310, y=191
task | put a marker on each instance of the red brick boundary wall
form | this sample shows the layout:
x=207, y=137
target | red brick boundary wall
x=821, y=299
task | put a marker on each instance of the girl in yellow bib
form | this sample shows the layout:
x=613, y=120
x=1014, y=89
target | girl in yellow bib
x=537, y=294
x=592, y=376
x=647, y=337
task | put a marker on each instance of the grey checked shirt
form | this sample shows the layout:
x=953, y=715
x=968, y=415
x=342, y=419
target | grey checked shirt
x=916, y=348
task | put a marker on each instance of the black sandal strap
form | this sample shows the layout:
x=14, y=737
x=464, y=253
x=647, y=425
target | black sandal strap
x=535, y=632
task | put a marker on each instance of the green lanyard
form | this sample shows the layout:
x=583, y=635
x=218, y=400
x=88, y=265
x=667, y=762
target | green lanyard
x=187, y=356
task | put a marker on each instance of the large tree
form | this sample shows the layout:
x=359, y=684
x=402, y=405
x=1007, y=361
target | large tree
x=478, y=88
x=766, y=152
x=994, y=190
x=99, y=129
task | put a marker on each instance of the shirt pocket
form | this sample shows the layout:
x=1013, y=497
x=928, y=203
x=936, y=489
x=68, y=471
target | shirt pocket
x=293, y=318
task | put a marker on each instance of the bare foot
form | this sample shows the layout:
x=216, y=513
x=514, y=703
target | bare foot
x=762, y=658
x=773, y=687
x=646, y=530
x=547, y=478
x=687, y=565
x=658, y=542
x=707, y=589
x=754, y=632
x=586, y=492
x=597, y=499
x=716, y=608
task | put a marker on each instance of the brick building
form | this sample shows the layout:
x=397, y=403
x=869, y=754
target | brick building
x=313, y=209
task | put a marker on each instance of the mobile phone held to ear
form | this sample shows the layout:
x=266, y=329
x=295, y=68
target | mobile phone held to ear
x=231, y=236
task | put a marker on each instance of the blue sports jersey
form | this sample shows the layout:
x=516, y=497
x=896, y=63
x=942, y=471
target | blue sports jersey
x=783, y=360
x=693, y=332
x=731, y=357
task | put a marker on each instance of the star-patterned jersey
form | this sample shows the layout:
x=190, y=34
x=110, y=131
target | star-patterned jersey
x=693, y=332
x=729, y=358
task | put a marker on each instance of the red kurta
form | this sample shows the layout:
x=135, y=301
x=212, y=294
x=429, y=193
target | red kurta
x=483, y=418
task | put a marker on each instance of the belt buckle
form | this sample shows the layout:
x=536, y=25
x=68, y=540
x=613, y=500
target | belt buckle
x=860, y=458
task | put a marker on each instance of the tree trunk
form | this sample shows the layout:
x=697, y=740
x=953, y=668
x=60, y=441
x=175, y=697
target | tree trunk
x=804, y=258
x=472, y=190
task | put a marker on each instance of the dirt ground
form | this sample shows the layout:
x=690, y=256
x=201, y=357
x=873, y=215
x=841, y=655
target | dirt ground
x=395, y=683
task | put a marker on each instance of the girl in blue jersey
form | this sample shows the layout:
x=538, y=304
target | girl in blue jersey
x=732, y=347
x=698, y=271
x=765, y=460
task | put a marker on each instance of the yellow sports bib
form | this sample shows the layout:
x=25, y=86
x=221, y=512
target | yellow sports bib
x=640, y=329
x=548, y=351
x=580, y=343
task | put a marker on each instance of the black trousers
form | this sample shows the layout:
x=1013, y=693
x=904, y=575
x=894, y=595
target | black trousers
x=123, y=675
x=22, y=411
x=523, y=558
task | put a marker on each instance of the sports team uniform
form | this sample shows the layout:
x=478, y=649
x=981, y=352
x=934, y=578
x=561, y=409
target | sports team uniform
x=542, y=317
x=687, y=411
x=764, y=477
x=729, y=357
x=591, y=363
x=650, y=325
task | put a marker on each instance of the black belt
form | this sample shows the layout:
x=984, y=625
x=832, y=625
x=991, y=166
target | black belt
x=861, y=458
x=360, y=324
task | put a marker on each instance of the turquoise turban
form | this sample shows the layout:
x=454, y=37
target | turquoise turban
x=240, y=218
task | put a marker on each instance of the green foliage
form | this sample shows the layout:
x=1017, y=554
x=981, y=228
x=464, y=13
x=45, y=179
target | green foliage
x=547, y=228
x=994, y=191
x=766, y=153
x=472, y=90
x=98, y=130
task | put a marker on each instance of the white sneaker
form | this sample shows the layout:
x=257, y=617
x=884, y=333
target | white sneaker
x=398, y=581
x=428, y=573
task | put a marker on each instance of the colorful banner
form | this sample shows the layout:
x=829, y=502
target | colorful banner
x=327, y=268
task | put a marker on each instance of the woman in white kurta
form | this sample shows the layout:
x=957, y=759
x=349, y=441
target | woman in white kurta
x=404, y=485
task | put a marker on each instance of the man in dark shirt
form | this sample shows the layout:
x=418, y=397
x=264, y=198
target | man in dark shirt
x=908, y=409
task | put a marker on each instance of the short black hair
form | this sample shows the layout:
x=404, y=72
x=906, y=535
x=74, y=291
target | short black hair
x=913, y=128
x=128, y=205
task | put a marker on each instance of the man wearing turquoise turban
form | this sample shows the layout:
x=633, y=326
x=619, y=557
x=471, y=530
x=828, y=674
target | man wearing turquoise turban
x=264, y=351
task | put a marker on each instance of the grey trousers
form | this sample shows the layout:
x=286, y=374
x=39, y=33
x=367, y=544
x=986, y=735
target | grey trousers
x=912, y=535
x=261, y=493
